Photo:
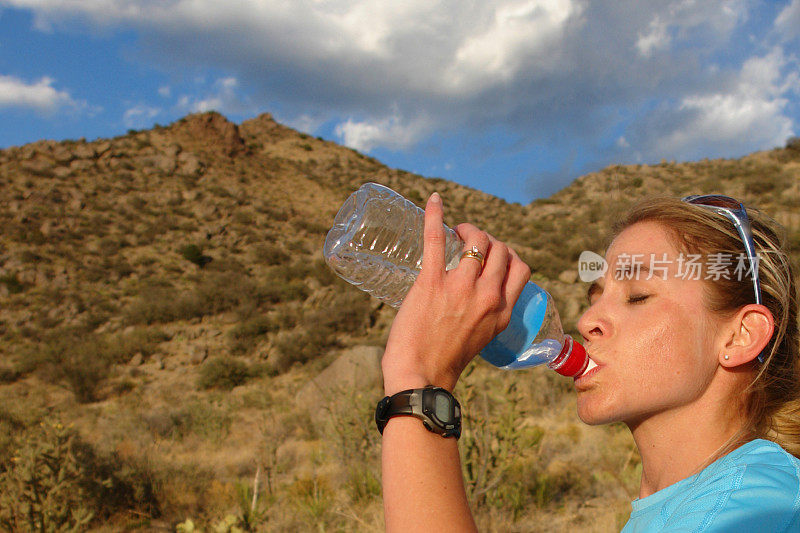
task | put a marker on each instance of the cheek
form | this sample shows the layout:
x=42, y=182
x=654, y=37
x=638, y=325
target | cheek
x=672, y=358
x=654, y=371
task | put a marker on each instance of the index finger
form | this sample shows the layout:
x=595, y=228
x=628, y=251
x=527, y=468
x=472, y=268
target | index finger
x=434, y=236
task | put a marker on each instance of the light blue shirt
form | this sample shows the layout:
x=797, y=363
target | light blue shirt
x=755, y=488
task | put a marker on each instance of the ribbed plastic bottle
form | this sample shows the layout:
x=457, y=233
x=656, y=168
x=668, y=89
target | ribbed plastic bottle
x=376, y=244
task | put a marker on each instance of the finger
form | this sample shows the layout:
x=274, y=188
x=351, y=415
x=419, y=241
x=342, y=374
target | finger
x=473, y=266
x=469, y=234
x=496, y=266
x=519, y=273
x=434, y=237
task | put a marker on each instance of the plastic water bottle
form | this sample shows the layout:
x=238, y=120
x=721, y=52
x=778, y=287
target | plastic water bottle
x=376, y=244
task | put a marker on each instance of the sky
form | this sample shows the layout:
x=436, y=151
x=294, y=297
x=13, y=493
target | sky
x=516, y=98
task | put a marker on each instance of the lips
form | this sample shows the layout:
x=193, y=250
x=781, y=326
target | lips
x=591, y=369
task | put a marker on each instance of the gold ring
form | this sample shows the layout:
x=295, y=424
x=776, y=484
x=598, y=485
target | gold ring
x=473, y=253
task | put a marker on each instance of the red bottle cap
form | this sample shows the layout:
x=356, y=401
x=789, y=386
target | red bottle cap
x=572, y=361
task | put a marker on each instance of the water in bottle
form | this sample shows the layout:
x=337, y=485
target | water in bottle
x=376, y=244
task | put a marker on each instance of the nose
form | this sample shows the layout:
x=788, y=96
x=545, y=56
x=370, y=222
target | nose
x=591, y=324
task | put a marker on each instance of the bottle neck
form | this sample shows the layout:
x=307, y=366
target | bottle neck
x=572, y=360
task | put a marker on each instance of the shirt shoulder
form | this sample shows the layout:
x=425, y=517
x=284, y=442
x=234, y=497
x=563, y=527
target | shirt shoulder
x=754, y=488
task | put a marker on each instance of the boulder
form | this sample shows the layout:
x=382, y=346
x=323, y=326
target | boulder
x=356, y=369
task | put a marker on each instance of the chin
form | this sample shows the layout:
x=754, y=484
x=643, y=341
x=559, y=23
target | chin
x=593, y=413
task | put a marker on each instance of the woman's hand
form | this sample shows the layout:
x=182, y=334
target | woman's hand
x=448, y=317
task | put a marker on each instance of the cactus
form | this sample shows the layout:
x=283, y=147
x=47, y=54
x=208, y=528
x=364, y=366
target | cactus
x=41, y=488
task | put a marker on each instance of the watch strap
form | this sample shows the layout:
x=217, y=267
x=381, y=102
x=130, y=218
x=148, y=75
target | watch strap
x=420, y=403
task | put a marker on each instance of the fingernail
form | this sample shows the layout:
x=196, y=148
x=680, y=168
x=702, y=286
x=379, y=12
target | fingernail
x=436, y=198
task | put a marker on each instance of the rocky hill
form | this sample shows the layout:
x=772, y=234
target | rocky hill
x=164, y=293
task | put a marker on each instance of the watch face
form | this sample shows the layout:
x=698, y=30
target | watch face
x=442, y=407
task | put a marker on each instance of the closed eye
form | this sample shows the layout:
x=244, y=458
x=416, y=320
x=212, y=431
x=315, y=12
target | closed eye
x=637, y=299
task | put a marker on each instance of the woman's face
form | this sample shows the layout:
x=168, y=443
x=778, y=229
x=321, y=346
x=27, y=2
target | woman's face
x=654, y=342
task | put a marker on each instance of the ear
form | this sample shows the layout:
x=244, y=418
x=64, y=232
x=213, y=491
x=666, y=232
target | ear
x=751, y=331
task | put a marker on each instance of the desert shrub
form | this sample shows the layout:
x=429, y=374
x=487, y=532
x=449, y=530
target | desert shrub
x=223, y=373
x=253, y=327
x=200, y=417
x=8, y=374
x=275, y=212
x=289, y=291
x=759, y=187
x=226, y=290
x=313, y=498
x=12, y=283
x=194, y=254
x=162, y=304
x=297, y=346
x=216, y=291
x=57, y=482
x=322, y=329
x=81, y=360
x=793, y=241
x=270, y=253
x=312, y=226
x=244, y=335
x=136, y=340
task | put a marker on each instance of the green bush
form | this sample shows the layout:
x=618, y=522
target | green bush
x=194, y=254
x=223, y=373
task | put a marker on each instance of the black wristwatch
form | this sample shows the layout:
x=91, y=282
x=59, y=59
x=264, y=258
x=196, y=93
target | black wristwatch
x=439, y=411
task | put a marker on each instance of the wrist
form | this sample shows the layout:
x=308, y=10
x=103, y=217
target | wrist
x=393, y=385
x=395, y=381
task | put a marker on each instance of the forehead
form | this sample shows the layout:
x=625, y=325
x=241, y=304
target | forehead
x=644, y=240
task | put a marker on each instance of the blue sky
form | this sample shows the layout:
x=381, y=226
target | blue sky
x=513, y=97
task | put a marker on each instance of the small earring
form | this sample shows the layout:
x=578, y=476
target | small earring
x=726, y=357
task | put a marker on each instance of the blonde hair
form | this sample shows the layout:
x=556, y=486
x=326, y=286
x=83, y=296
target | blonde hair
x=772, y=400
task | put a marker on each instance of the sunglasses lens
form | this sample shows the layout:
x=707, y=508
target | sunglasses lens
x=714, y=200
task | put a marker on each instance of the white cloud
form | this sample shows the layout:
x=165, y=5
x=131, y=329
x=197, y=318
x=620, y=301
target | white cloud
x=750, y=114
x=39, y=95
x=391, y=132
x=224, y=98
x=140, y=116
x=656, y=38
x=788, y=21
x=305, y=123
x=517, y=31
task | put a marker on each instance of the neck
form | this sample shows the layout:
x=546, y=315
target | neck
x=676, y=445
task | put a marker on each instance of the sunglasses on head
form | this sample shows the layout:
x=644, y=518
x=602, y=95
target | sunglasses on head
x=734, y=211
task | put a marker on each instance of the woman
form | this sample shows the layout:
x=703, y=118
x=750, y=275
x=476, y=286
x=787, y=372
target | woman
x=703, y=368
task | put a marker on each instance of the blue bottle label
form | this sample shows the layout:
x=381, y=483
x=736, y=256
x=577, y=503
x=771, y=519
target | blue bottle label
x=527, y=318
